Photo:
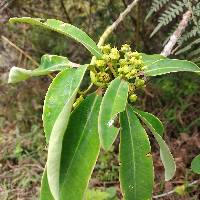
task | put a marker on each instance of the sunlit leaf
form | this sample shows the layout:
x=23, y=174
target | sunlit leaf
x=80, y=149
x=114, y=102
x=136, y=166
x=150, y=59
x=59, y=92
x=170, y=65
x=65, y=29
x=156, y=128
x=59, y=119
x=49, y=63
x=152, y=120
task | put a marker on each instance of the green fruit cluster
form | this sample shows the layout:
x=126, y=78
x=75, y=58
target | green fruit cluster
x=119, y=63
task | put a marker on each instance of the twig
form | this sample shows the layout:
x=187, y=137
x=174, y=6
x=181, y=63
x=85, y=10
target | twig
x=177, y=34
x=112, y=27
x=4, y=5
x=65, y=11
x=20, y=50
x=174, y=190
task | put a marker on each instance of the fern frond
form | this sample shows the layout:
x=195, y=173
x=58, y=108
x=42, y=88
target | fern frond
x=171, y=13
x=194, y=53
x=156, y=5
x=191, y=34
x=188, y=47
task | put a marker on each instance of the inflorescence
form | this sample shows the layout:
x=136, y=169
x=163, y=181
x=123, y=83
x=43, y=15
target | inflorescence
x=119, y=63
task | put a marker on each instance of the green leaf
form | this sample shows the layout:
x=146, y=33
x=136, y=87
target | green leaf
x=45, y=193
x=53, y=63
x=18, y=74
x=170, y=65
x=150, y=59
x=154, y=125
x=114, y=102
x=70, y=85
x=59, y=92
x=96, y=194
x=65, y=29
x=136, y=169
x=196, y=164
x=80, y=149
x=49, y=63
x=152, y=120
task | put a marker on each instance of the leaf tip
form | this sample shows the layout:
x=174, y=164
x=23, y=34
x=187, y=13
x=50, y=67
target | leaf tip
x=18, y=74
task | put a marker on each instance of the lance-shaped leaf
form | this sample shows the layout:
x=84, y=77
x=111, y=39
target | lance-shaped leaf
x=152, y=120
x=150, y=59
x=58, y=94
x=80, y=149
x=49, y=63
x=155, y=126
x=136, y=166
x=65, y=29
x=114, y=102
x=45, y=193
x=196, y=164
x=71, y=83
x=170, y=65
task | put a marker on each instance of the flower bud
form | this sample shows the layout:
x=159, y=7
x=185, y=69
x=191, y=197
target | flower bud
x=93, y=77
x=139, y=82
x=106, y=49
x=122, y=62
x=133, y=98
x=131, y=88
x=125, y=48
x=104, y=77
x=100, y=63
x=106, y=57
x=114, y=54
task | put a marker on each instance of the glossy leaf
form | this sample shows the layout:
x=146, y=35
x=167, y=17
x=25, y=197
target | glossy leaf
x=150, y=59
x=170, y=65
x=45, y=193
x=196, y=164
x=65, y=29
x=80, y=149
x=154, y=125
x=70, y=85
x=114, y=102
x=59, y=92
x=136, y=166
x=152, y=120
x=49, y=63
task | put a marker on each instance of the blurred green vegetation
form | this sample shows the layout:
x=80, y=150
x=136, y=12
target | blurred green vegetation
x=173, y=98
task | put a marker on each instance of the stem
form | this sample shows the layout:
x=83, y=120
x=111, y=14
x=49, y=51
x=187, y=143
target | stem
x=65, y=11
x=20, y=50
x=112, y=27
x=87, y=90
x=174, y=190
x=177, y=34
x=112, y=70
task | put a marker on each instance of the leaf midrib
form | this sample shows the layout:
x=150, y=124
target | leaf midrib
x=75, y=152
x=133, y=153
